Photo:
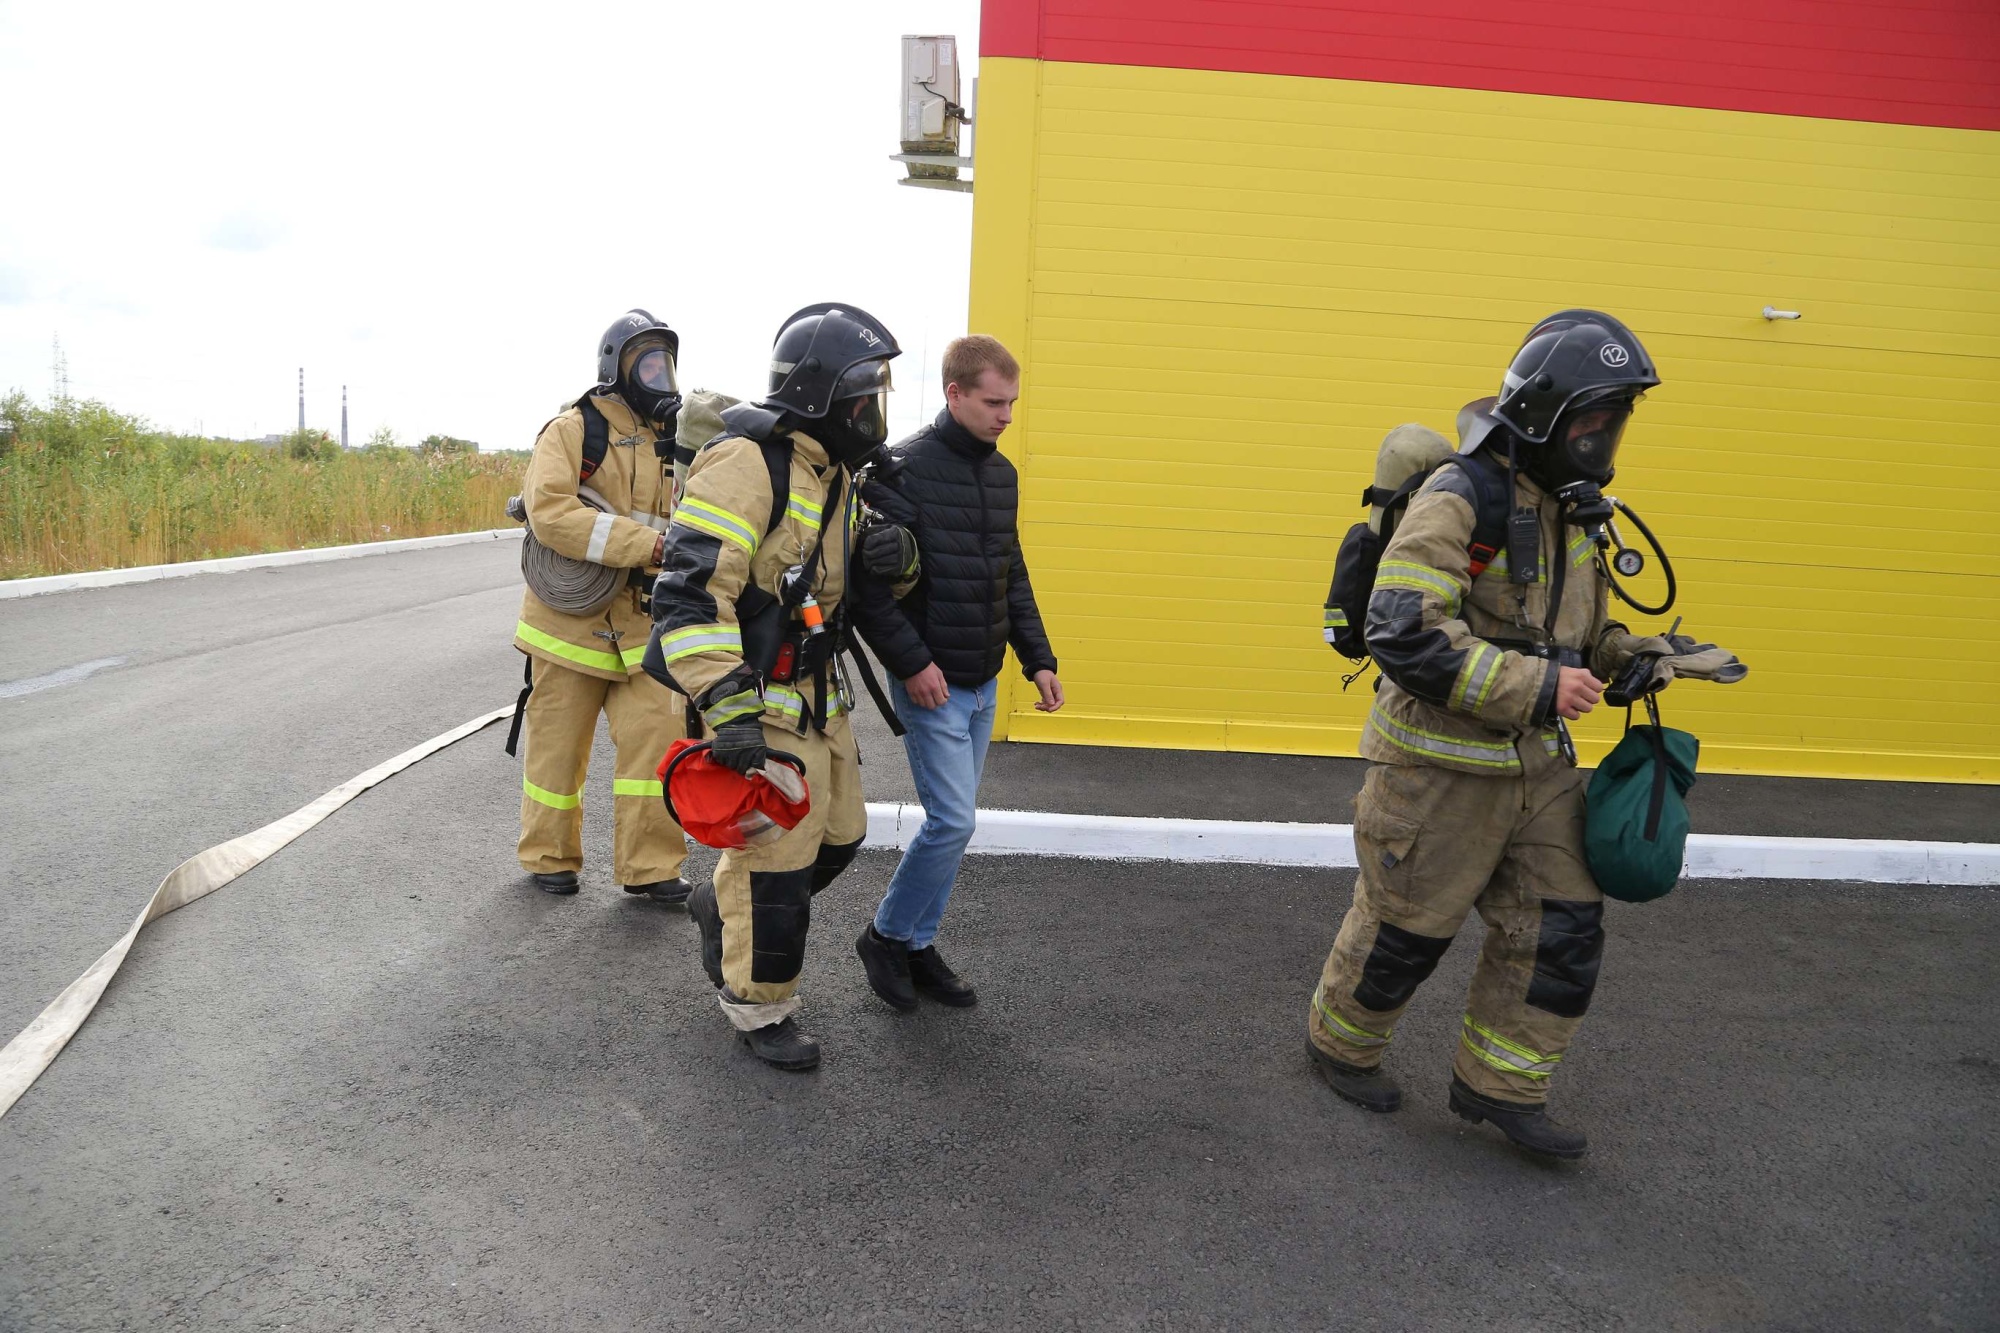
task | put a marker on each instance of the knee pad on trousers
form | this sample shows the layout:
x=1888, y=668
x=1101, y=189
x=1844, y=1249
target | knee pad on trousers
x=1567, y=957
x=780, y=912
x=1396, y=966
x=832, y=859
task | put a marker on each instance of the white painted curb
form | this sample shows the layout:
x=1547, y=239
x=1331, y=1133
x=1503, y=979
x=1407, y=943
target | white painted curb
x=1710, y=855
x=108, y=578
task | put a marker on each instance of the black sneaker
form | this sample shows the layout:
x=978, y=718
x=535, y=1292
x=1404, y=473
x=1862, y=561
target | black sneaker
x=929, y=976
x=888, y=965
x=1369, y=1089
x=783, y=1046
x=562, y=881
x=672, y=892
x=1527, y=1127
x=708, y=921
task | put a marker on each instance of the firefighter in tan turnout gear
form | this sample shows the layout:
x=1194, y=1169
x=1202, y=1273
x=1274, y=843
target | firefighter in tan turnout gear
x=599, y=491
x=1488, y=619
x=747, y=616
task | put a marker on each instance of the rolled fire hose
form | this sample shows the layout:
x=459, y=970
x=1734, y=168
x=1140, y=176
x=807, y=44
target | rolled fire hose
x=574, y=587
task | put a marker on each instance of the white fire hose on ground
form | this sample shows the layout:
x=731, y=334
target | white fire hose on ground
x=23, y=1059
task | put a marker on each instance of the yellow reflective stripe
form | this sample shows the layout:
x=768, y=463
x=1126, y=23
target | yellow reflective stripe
x=554, y=800
x=1492, y=679
x=632, y=657
x=701, y=639
x=1404, y=574
x=1497, y=565
x=1335, y=617
x=1418, y=741
x=744, y=703
x=590, y=657
x=1354, y=1036
x=790, y=703
x=1476, y=676
x=804, y=510
x=1580, y=549
x=635, y=786
x=1505, y=1055
x=719, y=522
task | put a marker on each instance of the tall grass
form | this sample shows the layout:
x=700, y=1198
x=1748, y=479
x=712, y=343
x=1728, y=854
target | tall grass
x=84, y=487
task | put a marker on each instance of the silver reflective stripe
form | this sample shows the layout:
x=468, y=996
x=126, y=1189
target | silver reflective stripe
x=804, y=510
x=600, y=533
x=701, y=639
x=789, y=703
x=1505, y=1055
x=784, y=700
x=1422, y=578
x=1496, y=755
x=1476, y=680
x=653, y=521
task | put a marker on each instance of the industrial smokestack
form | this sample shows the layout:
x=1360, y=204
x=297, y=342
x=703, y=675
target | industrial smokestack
x=343, y=416
x=302, y=397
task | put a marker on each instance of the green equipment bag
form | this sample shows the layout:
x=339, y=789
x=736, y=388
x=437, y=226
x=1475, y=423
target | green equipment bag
x=1635, y=825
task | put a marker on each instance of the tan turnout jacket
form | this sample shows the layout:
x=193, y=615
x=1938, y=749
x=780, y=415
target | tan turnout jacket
x=717, y=544
x=1461, y=689
x=637, y=483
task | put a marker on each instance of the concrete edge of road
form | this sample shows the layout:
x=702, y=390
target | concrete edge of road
x=1245, y=842
x=109, y=578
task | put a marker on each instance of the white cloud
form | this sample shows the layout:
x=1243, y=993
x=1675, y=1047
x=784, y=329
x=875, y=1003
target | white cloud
x=246, y=231
x=441, y=208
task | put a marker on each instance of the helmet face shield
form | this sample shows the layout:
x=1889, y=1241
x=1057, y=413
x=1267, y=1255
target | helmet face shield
x=1588, y=436
x=861, y=398
x=654, y=371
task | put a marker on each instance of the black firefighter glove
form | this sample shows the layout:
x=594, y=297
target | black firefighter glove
x=889, y=552
x=739, y=743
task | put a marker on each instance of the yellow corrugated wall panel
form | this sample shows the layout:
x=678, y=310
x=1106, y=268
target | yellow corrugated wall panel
x=1226, y=287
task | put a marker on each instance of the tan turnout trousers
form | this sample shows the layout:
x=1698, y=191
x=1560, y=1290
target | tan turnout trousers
x=1433, y=844
x=764, y=894
x=560, y=726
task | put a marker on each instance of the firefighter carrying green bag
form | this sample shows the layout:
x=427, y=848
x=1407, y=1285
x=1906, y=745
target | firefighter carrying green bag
x=1485, y=606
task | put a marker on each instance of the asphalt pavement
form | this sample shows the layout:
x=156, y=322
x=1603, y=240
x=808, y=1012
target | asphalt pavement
x=379, y=1082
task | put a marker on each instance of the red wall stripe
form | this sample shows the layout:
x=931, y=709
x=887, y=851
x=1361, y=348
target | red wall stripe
x=1935, y=62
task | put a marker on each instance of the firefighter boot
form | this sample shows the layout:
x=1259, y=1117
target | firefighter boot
x=668, y=891
x=559, y=881
x=783, y=1046
x=888, y=965
x=1527, y=1127
x=1369, y=1089
x=702, y=911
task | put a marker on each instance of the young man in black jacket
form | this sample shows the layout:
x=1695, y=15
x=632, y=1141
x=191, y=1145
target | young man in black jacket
x=952, y=504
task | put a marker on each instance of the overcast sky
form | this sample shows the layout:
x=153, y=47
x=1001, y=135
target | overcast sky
x=442, y=205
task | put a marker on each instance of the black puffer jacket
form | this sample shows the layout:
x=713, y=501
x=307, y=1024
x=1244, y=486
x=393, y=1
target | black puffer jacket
x=959, y=496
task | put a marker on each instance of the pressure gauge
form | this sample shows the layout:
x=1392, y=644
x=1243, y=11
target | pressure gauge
x=1628, y=562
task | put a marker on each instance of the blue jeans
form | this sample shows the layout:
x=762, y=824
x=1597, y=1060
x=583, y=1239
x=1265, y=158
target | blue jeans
x=947, y=749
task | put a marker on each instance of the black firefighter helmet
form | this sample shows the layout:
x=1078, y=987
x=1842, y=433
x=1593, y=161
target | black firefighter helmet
x=830, y=370
x=1566, y=397
x=648, y=379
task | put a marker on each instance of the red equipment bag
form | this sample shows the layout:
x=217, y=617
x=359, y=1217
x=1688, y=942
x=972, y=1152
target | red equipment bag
x=720, y=807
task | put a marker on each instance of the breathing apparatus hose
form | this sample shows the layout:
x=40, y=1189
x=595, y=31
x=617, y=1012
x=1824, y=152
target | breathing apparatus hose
x=1666, y=567
x=574, y=587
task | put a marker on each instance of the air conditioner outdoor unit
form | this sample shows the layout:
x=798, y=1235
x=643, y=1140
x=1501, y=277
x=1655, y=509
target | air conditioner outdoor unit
x=932, y=114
